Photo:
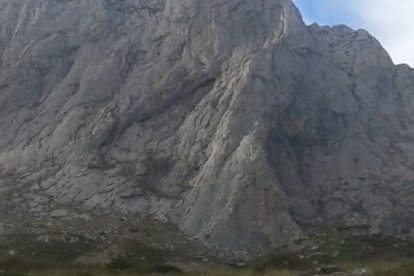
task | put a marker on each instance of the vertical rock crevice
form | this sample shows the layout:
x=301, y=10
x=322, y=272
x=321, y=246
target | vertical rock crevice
x=229, y=118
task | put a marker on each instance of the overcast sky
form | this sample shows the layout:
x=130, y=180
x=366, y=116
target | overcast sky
x=390, y=21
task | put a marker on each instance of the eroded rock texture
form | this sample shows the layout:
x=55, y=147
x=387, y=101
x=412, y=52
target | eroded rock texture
x=230, y=118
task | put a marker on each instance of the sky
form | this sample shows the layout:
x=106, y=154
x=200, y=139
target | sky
x=390, y=21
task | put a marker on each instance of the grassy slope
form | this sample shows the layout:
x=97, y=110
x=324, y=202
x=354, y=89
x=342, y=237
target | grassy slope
x=342, y=250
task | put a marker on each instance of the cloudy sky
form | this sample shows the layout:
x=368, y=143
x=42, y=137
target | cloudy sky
x=390, y=21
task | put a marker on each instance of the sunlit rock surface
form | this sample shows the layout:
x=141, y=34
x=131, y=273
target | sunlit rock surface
x=229, y=118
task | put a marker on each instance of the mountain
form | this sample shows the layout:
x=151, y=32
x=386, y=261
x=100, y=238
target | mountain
x=230, y=119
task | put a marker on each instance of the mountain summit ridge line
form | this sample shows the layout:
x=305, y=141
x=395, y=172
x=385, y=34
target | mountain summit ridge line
x=231, y=119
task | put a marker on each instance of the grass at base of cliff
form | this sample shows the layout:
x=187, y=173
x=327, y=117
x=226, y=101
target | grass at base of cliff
x=348, y=252
x=15, y=267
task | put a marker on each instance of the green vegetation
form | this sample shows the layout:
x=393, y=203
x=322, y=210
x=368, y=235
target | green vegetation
x=18, y=267
x=346, y=252
x=332, y=251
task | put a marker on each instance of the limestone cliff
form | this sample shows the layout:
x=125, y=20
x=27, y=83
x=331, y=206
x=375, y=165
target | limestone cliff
x=229, y=118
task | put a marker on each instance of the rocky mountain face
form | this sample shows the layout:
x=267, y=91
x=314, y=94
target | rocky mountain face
x=231, y=119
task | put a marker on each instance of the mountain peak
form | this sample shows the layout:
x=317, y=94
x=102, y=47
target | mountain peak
x=230, y=119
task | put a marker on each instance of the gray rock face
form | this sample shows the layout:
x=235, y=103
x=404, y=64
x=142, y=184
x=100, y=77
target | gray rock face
x=229, y=118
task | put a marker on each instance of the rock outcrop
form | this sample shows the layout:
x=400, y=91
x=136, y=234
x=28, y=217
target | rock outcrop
x=230, y=118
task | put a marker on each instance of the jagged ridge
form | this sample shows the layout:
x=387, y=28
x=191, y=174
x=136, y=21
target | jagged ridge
x=231, y=119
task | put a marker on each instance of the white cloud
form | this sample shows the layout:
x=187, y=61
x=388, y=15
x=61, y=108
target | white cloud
x=391, y=22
